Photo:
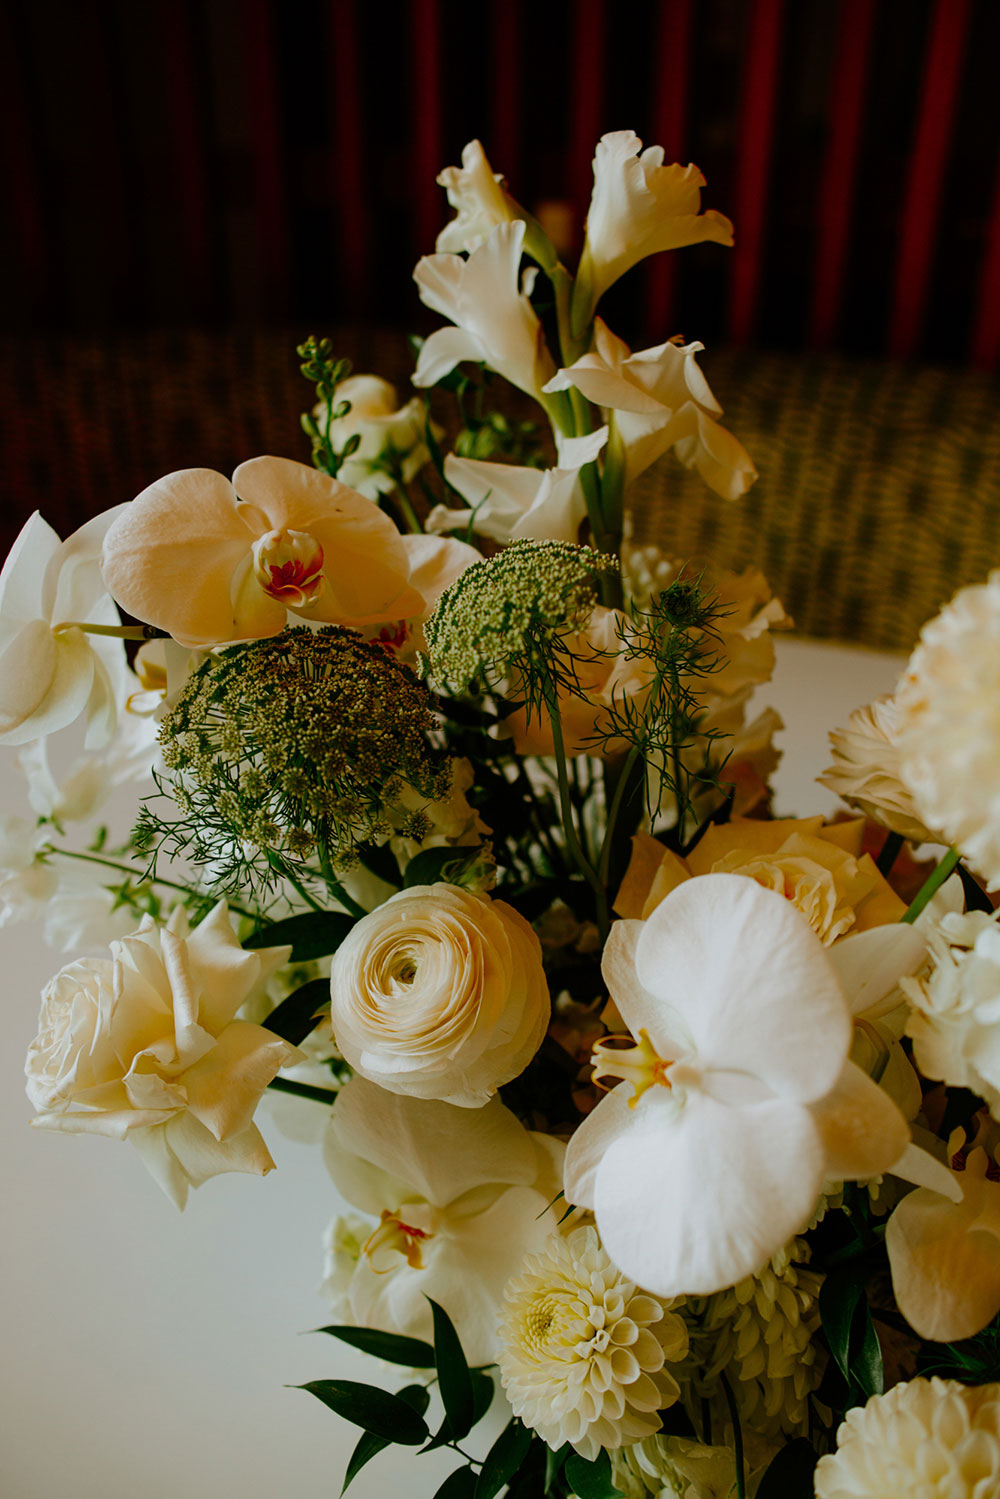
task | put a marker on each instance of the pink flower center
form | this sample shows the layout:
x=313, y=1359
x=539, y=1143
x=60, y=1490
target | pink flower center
x=288, y=565
x=395, y=1236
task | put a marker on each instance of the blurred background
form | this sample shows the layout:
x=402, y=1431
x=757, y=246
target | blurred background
x=194, y=185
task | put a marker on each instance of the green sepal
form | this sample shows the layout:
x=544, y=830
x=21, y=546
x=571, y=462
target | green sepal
x=312, y=934
x=297, y=1015
x=390, y=1346
x=374, y=1410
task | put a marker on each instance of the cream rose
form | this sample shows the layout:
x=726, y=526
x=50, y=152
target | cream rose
x=146, y=1045
x=440, y=993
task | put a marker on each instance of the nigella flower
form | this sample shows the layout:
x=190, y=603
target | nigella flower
x=584, y=1352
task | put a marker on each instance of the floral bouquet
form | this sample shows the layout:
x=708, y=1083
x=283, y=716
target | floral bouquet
x=671, y=1127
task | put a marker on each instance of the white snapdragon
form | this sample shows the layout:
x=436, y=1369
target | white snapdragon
x=390, y=437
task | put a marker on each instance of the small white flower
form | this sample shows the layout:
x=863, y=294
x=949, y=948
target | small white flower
x=495, y=322
x=343, y=1249
x=660, y=399
x=458, y=1198
x=477, y=195
x=949, y=727
x=392, y=436
x=925, y=1438
x=866, y=770
x=49, y=675
x=27, y=884
x=956, y=1008
x=583, y=1350
x=511, y=503
x=639, y=206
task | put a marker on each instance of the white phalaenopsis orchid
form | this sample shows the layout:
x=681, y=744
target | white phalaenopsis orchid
x=51, y=672
x=660, y=399
x=495, y=321
x=639, y=206
x=511, y=503
x=477, y=195
x=459, y=1196
x=743, y=1098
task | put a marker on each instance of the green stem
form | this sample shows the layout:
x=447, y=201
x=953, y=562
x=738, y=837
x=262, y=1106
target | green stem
x=409, y=514
x=298, y=886
x=607, y=847
x=68, y=853
x=573, y=844
x=336, y=889
x=741, y=1483
x=120, y=632
x=302, y=1090
x=931, y=885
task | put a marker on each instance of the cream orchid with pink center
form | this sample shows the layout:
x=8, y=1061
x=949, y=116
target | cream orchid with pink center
x=51, y=671
x=508, y=502
x=743, y=1100
x=458, y=1196
x=659, y=399
x=211, y=562
x=639, y=207
x=495, y=322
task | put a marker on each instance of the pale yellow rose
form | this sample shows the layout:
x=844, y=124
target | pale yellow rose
x=212, y=562
x=819, y=869
x=145, y=1046
x=440, y=993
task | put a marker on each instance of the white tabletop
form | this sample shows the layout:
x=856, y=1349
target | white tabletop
x=145, y=1352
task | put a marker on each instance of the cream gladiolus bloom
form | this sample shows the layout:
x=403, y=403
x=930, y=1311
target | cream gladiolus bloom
x=440, y=993
x=743, y=1098
x=212, y=562
x=511, y=503
x=639, y=206
x=477, y=195
x=458, y=1198
x=50, y=673
x=660, y=399
x=495, y=322
x=145, y=1046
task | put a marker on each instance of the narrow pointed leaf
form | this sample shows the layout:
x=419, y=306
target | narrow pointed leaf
x=554, y=1462
x=375, y=1410
x=483, y=1390
x=370, y=1446
x=313, y=934
x=838, y=1300
x=390, y=1346
x=458, y=1485
x=790, y=1474
x=866, y=1356
x=454, y=1377
x=503, y=1459
x=297, y=1015
x=591, y=1480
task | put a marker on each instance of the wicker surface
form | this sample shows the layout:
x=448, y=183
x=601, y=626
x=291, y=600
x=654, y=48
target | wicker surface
x=879, y=491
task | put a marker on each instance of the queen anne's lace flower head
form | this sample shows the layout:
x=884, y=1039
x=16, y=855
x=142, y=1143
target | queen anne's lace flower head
x=949, y=701
x=924, y=1439
x=583, y=1350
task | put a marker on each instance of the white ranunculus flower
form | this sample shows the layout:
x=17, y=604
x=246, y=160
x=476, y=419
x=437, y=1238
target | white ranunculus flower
x=477, y=195
x=511, y=503
x=866, y=773
x=949, y=725
x=458, y=1198
x=956, y=1007
x=924, y=1438
x=584, y=1351
x=495, y=322
x=660, y=399
x=745, y=1100
x=49, y=675
x=440, y=993
x=145, y=1046
x=391, y=435
x=639, y=206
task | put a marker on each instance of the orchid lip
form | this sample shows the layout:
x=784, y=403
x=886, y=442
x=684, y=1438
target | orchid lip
x=637, y=1063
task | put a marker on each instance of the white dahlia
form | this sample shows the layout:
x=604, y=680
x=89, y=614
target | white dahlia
x=949, y=701
x=925, y=1439
x=674, y=1468
x=583, y=1350
x=865, y=770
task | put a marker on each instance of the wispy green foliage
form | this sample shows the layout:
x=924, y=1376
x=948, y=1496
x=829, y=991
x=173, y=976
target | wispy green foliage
x=320, y=365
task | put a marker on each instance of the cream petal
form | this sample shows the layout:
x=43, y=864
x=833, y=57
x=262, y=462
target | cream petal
x=435, y=563
x=225, y=1086
x=945, y=1270
x=701, y=1196
x=115, y=1124
x=639, y=1008
x=440, y=353
x=611, y=1121
x=752, y=982
x=73, y=579
x=201, y=1156
x=862, y=1129
x=27, y=671
x=870, y=964
x=24, y=571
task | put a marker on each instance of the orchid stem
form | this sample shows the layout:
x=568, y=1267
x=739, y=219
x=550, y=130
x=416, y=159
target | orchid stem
x=119, y=632
x=931, y=885
x=302, y=1090
x=147, y=879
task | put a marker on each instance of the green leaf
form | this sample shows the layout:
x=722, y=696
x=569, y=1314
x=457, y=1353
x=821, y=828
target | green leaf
x=591, y=1480
x=434, y=866
x=370, y=1446
x=866, y=1356
x=312, y=934
x=839, y=1296
x=503, y=1459
x=458, y=1485
x=483, y=1390
x=554, y=1462
x=391, y=1346
x=365, y=1405
x=790, y=1474
x=454, y=1377
x=296, y=1016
